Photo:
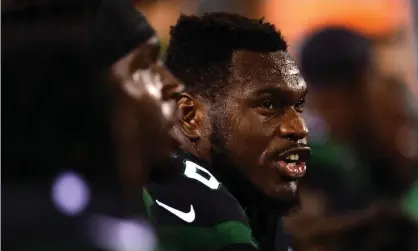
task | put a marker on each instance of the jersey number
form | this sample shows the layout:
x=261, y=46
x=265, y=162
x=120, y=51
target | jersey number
x=191, y=171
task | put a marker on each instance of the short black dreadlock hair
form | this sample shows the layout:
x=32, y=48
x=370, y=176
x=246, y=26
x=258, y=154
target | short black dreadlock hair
x=200, y=49
x=335, y=55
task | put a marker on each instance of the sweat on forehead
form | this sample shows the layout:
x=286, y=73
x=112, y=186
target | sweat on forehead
x=266, y=67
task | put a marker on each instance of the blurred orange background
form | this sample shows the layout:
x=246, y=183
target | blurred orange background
x=373, y=18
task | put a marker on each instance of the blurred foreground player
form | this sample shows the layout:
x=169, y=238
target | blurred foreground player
x=244, y=140
x=85, y=103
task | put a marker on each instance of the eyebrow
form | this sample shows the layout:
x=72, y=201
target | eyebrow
x=275, y=91
x=278, y=93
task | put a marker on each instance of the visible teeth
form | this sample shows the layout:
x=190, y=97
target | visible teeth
x=293, y=157
x=291, y=164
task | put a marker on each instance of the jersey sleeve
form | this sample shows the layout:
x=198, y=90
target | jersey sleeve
x=193, y=215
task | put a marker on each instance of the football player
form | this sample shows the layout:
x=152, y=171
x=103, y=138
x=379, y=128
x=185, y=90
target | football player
x=244, y=141
x=84, y=94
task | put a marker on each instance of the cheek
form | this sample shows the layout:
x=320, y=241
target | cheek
x=249, y=136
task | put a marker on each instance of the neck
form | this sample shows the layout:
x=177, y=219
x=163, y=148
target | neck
x=240, y=187
x=263, y=214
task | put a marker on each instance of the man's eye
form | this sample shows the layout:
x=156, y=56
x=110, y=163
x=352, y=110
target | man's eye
x=268, y=105
x=300, y=105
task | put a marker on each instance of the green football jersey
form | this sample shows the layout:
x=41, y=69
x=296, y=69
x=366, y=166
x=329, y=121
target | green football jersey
x=194, y=211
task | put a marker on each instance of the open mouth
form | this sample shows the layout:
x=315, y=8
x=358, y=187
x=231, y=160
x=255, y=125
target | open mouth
x=292, y=162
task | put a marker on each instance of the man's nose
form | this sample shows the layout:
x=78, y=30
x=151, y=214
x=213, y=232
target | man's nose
x=293, y=126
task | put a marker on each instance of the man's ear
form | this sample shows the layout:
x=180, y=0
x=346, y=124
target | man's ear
x=192, y=116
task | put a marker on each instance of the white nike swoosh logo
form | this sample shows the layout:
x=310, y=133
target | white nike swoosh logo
x=187, y=217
